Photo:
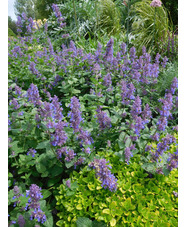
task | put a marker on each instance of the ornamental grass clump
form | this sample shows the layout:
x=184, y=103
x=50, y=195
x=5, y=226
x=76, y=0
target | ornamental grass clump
x=150, y=24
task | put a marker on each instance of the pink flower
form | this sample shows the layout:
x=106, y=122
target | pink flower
x=156, y=3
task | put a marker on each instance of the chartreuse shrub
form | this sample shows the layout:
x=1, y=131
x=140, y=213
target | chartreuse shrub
x=138, y=201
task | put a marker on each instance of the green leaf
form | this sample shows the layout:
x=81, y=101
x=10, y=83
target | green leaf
x=149, y=167
x=53, y=181
x=122, y=135
x=166, y=171
x=40, y=168
x=70, y=82
x=90, y=97
x=46, y=193
x=79, y=207
x=56, y=170
x=120, y=155
x=83, y=222
x=98, y=224
x=44, y=144
x=49, y=221
x=128, y=142
x=121, y=144
x=75, y=91
x=43, y=204
x=69, y=164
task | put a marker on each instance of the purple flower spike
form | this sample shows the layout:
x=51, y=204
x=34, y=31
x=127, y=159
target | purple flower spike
x=136, y=107
x=103, y=119
x=21, y=221
x=33, y=95
x=34, y=195
x=109, y=50
x=128, y=153
x=39, y=215
x=174, y=85
x=75, y=114
x=104, y=174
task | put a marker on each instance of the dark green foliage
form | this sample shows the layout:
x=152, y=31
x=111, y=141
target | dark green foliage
x=44, y=8
x=11, y=33
x=12, y=25
x=172, y=7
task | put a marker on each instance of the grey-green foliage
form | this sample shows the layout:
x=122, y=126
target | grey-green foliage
x=26, y=6
x=143, y=25
x=85, y=13
x=166, y=77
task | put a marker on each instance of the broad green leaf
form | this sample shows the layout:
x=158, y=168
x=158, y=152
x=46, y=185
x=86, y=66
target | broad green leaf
x=83, y=222
x=44, y=144
x=46, y=193
x=40, y=168
x=98, y=224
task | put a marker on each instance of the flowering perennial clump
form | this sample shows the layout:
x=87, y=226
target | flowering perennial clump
x=103, y=119
x=59, y=137
x=104, y=174
x=51, y=133
x=136, y=107
x=84, y=137
x=127, y=92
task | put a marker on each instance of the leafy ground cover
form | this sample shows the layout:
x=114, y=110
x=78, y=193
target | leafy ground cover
x=92, y=132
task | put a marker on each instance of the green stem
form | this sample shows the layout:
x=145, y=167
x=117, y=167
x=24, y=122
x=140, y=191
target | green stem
x=75, y=15
x=16, y=161
x=143, y=150
x=96, y=18
x=153, y=39
x=128, y=9
x=54, y=151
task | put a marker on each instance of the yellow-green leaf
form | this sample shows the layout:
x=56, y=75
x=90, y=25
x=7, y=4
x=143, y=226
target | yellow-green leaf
x=113, y=222
x=79, y=207
x=106, y=211
x=98, y=187
x=91, y=187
